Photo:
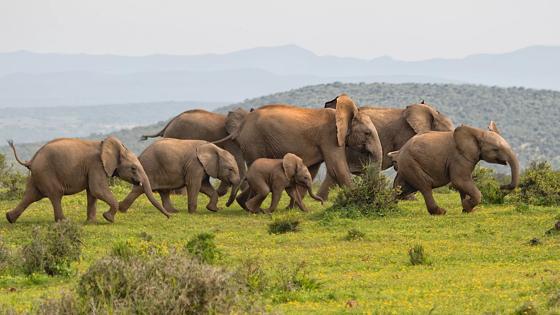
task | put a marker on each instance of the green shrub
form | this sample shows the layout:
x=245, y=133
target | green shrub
x=284, y=225
x=122, y=250
x=370, y=195
x=417, y=255
x=354, y=234
x=67, y=304
x=202, y=247
x=539, y=185
x=12, y=182
x=292, y=280
x=52, y=250
x=486, y=181
x=251, y=274
x=5, y=257
x=174, y=284
x=528, y=308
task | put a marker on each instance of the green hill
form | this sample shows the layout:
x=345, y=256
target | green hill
x=526, y=117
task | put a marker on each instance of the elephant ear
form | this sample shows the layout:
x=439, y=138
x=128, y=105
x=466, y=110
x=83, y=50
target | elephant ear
x=345, y=112
x=419, y=118
x=492, y=127
x=111, y=149
x=290, y=164
x=208, y=156
x=467, y=142
x=234, y=121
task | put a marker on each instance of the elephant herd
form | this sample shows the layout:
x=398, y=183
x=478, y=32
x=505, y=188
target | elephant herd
x=268, y=150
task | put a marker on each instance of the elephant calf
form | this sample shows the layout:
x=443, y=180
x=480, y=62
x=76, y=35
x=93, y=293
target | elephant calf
x=173, y=164
x=434, y=159
x=274, y=175
x=68, y=166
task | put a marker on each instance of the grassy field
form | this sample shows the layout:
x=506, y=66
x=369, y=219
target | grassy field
x=479, y=263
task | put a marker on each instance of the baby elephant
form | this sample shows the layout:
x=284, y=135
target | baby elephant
x=434, y=159
x=173, y=163
x=68, y=166
x=274, y=175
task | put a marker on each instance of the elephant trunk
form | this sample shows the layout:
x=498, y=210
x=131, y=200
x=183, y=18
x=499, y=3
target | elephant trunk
x=310, y=191
x=234, y=191
x=514, y=165
x=145, y=183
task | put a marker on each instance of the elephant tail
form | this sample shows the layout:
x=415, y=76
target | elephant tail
x=394, y=156
x=24, y=163
x=161, y=132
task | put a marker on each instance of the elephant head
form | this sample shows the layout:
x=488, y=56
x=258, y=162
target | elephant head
x=354, y=129
x=296, y=171
x=477, y=144
x=423, y=118
x=118, y=161
x=218, y=163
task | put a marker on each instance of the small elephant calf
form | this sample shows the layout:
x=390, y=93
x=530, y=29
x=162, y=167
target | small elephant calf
x=174, y=163
x=274, y=175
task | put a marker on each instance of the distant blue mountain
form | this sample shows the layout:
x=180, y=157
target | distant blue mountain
x=48, y=79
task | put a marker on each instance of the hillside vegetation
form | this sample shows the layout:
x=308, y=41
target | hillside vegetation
x=526, y=117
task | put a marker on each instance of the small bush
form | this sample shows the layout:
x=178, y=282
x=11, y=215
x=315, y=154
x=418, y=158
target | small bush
x=486, y=181
x=174, y=284
x=52, y=250
x=539, y=185
x=290, y=281
x=354, y=234
x=202, y=247
x=12, y=182
x=417, y=255
x=251, y=274
x=285, y=225
x=5, y=257
x=123, y=250
x=528, y=308
x=67, y=304
x=370, y=195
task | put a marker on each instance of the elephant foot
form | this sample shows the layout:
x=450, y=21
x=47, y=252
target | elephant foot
x=9, y=218
x=438, y=211
x=109, y=216
x=172, y=210
x=192, y=211
x=91, y=221
x=468, y=211
x=59, y=219
x=212, y=208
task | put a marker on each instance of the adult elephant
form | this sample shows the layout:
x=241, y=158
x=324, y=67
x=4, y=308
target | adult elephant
x=315, y=135
x=395, y=127
x=198, y=124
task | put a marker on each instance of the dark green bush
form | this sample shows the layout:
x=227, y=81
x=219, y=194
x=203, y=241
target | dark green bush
x=202, y=247
x=417, y=256
x=354, y=234
x=284, y=225
x=173, y=284
x=539, y=185
x=12, y=182
x=52, y=250
x=370, y=195
x=488, y=184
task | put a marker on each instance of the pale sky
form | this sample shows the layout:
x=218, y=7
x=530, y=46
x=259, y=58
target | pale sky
x=410, y=30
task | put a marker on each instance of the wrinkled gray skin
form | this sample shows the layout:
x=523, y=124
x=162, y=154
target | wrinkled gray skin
x=395, y=127
x=173, y=164
x=69, y=166
x=434, y=159
x=275, y=175
x=198, y=124
x=315, y=135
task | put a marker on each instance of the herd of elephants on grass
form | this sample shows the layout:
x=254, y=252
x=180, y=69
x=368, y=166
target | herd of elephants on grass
x=269, y=150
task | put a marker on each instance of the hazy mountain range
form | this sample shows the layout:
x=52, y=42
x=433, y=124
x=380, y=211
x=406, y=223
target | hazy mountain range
x=48, y=79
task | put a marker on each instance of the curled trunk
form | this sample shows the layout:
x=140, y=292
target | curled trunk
x=514, y=165
x=145, y=183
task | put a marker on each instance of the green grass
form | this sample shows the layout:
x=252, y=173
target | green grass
x=480, y=262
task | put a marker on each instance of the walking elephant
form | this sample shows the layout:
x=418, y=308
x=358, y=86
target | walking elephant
x=395, y=127
x=69, y=166
x=434, y=159
x=199, y=124
x=173, y=164
x=315, y=135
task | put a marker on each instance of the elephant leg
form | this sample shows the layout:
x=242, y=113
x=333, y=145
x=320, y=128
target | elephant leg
x=91, y=208
x=244, y=196
x=136, y=192
x=30, y=196
x=276, y=194
x=56, y=202
x=431, y=203
x=254, y=204
x=313, y=170
x=405, y=189
x=207, y=189
x=293, y=193
x=193, y=188
x=109, y=199
x=326, y=186
x=166, y=201
x=223, y=188
x=470, y=195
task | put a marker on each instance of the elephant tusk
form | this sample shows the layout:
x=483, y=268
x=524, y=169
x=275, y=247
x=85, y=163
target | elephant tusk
x=141, y=184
